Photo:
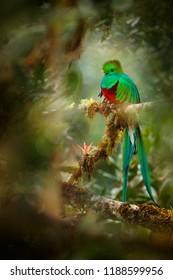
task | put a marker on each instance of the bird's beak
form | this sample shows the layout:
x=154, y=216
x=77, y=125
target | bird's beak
x=102, y=71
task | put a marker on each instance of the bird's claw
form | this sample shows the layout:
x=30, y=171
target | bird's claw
x=100, y=94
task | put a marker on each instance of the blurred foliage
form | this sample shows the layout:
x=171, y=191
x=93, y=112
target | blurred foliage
x=51, y=57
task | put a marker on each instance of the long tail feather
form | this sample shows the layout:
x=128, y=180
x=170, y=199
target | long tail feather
x=143, y=162
x=127, y=155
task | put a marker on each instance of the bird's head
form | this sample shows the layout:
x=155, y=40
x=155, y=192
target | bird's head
x=112, y=67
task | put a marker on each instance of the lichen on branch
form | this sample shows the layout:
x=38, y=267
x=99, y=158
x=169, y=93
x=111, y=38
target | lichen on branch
x=147, y=216
x=116, y=122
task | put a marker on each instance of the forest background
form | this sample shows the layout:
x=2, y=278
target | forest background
x=51, y=58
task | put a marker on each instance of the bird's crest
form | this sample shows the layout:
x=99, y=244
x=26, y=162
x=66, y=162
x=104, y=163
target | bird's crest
x=112, y=66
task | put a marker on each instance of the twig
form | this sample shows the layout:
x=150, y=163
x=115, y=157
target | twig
x=138, y=107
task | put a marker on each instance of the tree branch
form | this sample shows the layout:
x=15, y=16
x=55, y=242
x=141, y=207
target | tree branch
x=113, y=134
x=118, y=117
x=92, y=107
x=148, y=216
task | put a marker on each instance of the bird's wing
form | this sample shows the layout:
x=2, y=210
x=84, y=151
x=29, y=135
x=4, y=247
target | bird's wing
x=109, y=81
x=127, y=91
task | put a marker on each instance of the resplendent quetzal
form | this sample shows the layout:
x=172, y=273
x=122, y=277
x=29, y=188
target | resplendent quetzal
x=118, y=87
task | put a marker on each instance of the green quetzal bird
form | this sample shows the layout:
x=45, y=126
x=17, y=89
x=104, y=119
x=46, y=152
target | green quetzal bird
x=118, y=87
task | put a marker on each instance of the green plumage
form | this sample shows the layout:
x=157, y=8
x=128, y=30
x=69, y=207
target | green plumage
x=127, y=155
x=143, y=162
x=118, y=87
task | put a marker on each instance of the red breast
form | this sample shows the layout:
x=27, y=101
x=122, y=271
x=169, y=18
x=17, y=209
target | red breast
x=110, y=93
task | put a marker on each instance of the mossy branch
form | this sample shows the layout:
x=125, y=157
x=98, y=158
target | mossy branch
x=92, y=107
x=113, y=134
x=147, y=216
x=118, y=116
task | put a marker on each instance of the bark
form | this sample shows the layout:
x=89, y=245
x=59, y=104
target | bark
x=145, y=215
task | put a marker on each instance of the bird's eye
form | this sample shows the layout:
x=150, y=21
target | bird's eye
x=112, y=70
